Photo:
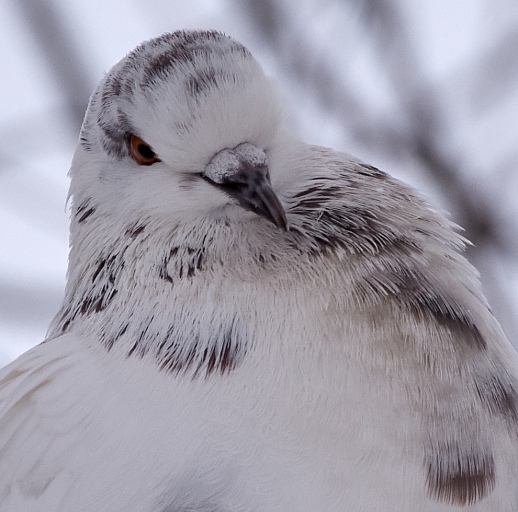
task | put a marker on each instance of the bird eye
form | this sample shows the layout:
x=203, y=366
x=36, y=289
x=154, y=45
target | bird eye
x=142, y=152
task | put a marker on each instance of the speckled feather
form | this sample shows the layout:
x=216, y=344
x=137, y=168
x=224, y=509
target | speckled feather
x=206, y=360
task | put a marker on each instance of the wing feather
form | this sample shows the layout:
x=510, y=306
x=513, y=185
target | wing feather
x=39, y=420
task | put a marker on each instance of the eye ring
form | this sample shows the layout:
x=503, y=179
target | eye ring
x=141, y=151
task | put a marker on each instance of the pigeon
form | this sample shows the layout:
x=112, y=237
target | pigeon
x=252, y=323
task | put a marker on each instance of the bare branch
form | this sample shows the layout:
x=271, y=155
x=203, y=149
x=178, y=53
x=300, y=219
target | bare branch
x=64, y=59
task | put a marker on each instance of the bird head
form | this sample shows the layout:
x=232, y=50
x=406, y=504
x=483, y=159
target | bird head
x=180, y=130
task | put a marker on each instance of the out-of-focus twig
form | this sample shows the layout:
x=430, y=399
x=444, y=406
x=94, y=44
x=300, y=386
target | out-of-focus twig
x=64, y=59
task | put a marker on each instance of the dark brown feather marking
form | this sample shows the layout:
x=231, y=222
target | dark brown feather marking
x=117, y=132
x=106, y=273
x=197, y=83
x=136, y=230
x=98, y=303
x=498, y=397
x=99, y=297
x=223, y=360
x=317, y=196
x=423, y=301
x=355, y=229
x=414, y=291
x=182, y=262
x=371, y=171
x=84, y=210
x=66, y=324
x=460, y=481
x=86, y=214
x=109, y=342
x=163, y=272
x=220, y=355
x=184, y=47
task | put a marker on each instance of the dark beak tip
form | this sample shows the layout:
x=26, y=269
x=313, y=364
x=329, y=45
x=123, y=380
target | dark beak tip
x=282, y=222
x=252, y=189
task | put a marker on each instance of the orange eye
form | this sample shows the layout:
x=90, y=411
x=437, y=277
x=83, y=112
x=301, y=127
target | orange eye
x=142, y=152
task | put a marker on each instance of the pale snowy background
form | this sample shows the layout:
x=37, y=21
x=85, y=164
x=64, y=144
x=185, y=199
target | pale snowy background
x=428, y=91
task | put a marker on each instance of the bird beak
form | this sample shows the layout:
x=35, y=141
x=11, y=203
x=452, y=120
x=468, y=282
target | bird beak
x=251, y=187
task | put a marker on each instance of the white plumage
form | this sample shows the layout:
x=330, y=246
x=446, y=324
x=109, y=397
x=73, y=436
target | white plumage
x=252, y=323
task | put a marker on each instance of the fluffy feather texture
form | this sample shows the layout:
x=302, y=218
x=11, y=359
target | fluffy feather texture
x=206, y=360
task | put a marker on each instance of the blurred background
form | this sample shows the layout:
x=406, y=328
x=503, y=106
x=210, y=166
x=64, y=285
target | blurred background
x=427, y=91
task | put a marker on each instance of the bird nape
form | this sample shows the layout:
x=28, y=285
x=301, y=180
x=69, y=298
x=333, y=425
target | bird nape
x=252, y=323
